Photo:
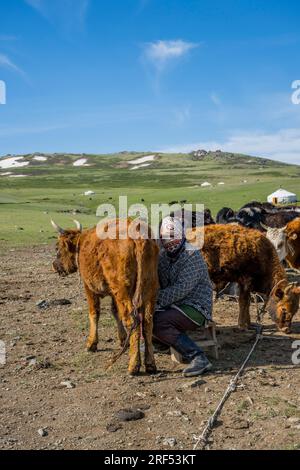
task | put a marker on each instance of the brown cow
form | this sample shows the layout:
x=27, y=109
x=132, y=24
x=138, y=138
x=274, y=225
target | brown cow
x=293, y=243
x=286, y=240
x=126, y=270
x=236, y=254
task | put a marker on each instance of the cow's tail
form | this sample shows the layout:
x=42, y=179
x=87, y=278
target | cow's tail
x=137, y=300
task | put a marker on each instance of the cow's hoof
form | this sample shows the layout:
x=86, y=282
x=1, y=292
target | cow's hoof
x=134, y=372
x=92, y=347
x=151, y=369
x=286, y=331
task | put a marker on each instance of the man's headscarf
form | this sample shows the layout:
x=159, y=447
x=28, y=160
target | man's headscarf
x=172, y=235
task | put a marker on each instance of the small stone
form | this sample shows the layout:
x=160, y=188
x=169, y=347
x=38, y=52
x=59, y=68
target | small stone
x=175, y=413
x=43, y=432
x=32, y=362
x=113, y=427
x=129, y=414
x=169, y=442
x=249, y=399
x=197, y=383
x=58, y=302
x=12, y=440
x=68, y=384
x=294, y=420
x=42, y=304
x=29, y=358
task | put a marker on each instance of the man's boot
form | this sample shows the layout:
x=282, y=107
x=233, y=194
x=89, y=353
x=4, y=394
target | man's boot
x=193, y=355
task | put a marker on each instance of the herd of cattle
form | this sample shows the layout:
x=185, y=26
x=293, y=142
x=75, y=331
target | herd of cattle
x=276, y=222
x=246, y=247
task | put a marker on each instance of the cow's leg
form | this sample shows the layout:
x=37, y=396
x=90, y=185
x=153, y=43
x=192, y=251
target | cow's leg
x=125, y=310
x=244, y=306
x=94, y=314
x=121, y=330
x=150, y=365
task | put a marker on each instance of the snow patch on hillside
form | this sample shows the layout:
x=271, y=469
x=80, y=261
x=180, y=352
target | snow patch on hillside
x=39, y=158
x=13, y=162
x=137, y=167
x=148, y=158
x=18, y=176
x=81, y=162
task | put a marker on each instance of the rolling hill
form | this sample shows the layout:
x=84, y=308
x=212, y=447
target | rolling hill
x=36, y=187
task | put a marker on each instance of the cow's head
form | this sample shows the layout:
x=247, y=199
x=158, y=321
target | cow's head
x=208, y=218
x=293, y=243
x=278, y=238
x=284, y=304
x=66, y=249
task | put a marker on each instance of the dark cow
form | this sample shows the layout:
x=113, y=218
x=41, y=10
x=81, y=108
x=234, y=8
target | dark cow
x=280, y=219
x=194, y=219
x=264, y=206
x=208, y=218
x=249, y=217
x=225, y=215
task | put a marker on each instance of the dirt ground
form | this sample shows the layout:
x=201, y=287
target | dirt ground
x=46, y=347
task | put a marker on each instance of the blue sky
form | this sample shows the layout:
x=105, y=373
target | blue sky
x=108, y=75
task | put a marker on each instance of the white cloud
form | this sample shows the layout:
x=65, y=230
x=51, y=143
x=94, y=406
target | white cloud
x=7, y=37
x=215, y=99
x=68, y=14
x=182, y=115
x=283, y=145
x=160, y=53
x=7, y=63
x=35, y=3
x=143, y=4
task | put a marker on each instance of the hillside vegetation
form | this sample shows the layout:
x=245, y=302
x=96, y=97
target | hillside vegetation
x=37, y=187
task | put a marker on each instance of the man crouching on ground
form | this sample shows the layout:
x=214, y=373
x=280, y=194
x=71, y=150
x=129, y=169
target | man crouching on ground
x=185, y=297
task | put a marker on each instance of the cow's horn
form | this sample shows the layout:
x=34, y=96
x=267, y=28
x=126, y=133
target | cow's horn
x=56, y=227
x=78, y=225
x=265, y=227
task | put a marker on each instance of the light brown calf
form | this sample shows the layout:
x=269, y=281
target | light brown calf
x=124, y=269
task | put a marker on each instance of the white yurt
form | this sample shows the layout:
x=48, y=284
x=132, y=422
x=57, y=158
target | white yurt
x=281, y=196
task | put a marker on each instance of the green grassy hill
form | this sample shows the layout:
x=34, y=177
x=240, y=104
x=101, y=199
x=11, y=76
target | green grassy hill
x=50, y=186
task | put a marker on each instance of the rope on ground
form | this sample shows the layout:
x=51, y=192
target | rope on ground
x=203, y=438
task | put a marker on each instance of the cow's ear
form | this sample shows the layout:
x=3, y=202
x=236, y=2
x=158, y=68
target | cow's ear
x=279, y=293
x=294, y=236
